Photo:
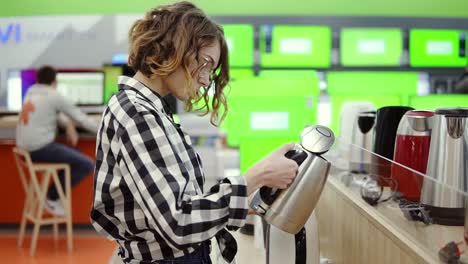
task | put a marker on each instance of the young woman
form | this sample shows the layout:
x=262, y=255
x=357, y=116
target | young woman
x=149, y=193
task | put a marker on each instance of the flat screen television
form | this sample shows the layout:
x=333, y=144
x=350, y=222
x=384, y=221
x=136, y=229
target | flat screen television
x=112, y=73
x=434, y=101
x=381, y=88
x=437, y=48
x=371, y=46
x=28, y=78
x=82, y=88
x=240, y=40
x=263, y=107
x=292, y=46
x=14, y=96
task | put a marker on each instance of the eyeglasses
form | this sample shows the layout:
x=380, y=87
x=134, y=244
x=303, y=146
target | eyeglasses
x=206, y=69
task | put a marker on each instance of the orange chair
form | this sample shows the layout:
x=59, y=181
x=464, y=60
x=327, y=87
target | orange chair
x=36, y=178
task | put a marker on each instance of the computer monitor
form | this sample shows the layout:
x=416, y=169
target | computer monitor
x=240, y=40
x=14, y=98
x=18, y=84
x=371, y=46
x=437, y=48
x=82, y=88
x=271, y=106
x=291, y=46
x=111, y=74
x=28, y=79
x=434, y=101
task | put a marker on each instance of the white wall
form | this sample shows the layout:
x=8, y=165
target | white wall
x=62, y=41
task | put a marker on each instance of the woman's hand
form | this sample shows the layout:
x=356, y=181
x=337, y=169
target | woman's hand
x=275, y=170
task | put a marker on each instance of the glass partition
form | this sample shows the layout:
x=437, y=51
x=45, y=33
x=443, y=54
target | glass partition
x=426, y=206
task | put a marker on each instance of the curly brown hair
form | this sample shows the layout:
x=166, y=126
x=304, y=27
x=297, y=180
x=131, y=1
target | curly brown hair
x=170, y=36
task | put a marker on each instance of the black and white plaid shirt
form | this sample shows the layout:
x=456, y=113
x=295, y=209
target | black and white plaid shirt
x=149, y=184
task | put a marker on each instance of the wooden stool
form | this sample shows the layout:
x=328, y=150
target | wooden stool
x=36, y=178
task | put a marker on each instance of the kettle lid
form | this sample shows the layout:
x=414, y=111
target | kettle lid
x=366, y=121
x=420, y=113
x=317, y=139
x=452, y=112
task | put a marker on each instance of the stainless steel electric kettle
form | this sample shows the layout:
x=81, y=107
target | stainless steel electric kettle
x=447, y=167
x=289, y=209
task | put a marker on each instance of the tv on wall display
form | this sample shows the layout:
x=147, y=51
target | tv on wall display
x=371, y=46
x=437, y=48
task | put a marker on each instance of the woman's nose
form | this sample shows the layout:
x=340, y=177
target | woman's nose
x=204, y=79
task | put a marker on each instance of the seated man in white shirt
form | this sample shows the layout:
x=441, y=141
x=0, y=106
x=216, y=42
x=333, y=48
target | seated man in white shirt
x=43, y=109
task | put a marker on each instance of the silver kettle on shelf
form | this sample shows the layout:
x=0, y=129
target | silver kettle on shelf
x=447, y=167
x=289, y=209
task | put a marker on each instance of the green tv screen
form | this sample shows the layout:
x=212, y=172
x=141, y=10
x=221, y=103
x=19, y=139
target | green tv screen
x=380, y=88
x=240, y=41
x=270, y=107
x=284, y=46
x=111, y=74
x=371, y=46
x=437, y=48
x=432, y=102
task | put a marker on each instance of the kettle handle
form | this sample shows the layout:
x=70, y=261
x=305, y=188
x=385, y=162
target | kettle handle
x=269, y=194
x=297, y=155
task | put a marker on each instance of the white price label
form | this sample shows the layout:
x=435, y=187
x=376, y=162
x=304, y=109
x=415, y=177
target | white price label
x=296, y=46
x=439, y=47
x=269, y=120
x=371, y=46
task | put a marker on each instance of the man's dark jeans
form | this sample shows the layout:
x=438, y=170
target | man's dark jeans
x=80, y=165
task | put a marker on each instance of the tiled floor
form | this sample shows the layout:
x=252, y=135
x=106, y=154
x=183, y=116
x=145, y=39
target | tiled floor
x=89, y=248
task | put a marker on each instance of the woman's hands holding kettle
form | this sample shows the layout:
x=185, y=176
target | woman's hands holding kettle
x=275, y=170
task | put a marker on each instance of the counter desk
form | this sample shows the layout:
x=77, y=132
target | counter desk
x=352, y=231
x=12, y=194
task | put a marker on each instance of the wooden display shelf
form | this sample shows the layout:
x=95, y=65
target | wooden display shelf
x=352, y=231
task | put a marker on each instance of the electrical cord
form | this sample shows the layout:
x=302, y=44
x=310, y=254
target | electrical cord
x=371, y=191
